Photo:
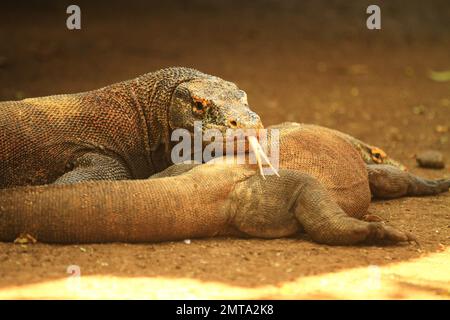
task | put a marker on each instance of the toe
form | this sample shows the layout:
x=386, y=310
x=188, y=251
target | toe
x=383, y=233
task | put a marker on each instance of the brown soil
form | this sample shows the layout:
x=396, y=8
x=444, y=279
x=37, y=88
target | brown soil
x=315, y=63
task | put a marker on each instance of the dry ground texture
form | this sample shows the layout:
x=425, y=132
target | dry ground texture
x=312, y=61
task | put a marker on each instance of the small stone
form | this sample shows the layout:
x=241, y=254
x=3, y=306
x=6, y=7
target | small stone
x=420, y=109
x=441, y=129
x=430, y=159
x=82, y=249
x=25, y=238
x=187, y=241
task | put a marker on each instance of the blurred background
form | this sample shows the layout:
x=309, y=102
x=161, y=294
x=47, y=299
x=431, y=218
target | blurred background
x=306, y=61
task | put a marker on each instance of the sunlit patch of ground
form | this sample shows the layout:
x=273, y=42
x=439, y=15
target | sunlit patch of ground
x=424, y=278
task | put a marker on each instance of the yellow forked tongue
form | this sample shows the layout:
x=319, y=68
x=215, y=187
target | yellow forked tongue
x=257, y=149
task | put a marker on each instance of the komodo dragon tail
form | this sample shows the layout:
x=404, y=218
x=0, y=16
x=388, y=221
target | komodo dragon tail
x=209, y=200
x=113, y=211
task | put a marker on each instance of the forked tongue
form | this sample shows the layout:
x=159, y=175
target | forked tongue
x=260, y=155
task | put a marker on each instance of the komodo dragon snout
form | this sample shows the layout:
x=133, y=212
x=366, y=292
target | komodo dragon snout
x=217, y=103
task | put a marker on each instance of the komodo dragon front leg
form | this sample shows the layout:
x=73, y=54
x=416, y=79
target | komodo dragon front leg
x=204, y=201
x=389, y=182
x=94, y=166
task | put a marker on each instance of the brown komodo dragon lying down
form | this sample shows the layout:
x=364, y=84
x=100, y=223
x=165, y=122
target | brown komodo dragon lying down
x=118, y=132
x=326, y=182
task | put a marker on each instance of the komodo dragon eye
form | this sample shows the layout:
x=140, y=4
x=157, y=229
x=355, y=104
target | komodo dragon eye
x=378, y=155
x=200, y=106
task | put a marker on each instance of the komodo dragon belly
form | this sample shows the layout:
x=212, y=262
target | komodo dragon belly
x=331, y=160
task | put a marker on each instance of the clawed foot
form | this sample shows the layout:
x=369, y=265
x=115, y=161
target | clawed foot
x=443, y=185
x=350, y=231
x=379, y=232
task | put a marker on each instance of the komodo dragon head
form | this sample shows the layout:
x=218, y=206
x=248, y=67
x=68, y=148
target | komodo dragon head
x=206, y=105
x=217, y=103
x=375, y=155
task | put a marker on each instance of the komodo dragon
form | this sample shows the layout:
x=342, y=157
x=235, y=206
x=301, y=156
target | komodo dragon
x=121, y=131
x=323, y=191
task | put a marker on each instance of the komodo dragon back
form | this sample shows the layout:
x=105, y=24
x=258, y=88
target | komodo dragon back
x=331, y=160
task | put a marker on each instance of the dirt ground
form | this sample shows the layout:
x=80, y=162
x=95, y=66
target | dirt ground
x=312, y=62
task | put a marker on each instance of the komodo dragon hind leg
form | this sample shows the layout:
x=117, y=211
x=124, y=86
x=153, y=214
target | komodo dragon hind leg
x=388, y=182
x=94, y=166
x=277, y=207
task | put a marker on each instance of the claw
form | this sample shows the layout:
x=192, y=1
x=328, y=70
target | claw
x=382, y=232
x=412, y=238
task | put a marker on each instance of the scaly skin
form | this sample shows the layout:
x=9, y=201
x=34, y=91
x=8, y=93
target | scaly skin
x=189, y=201
x=121, y=131
x=369, y=153
x=347, y=179
x=205, y=201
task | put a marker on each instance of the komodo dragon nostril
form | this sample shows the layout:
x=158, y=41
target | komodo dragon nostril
x=233, y=123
